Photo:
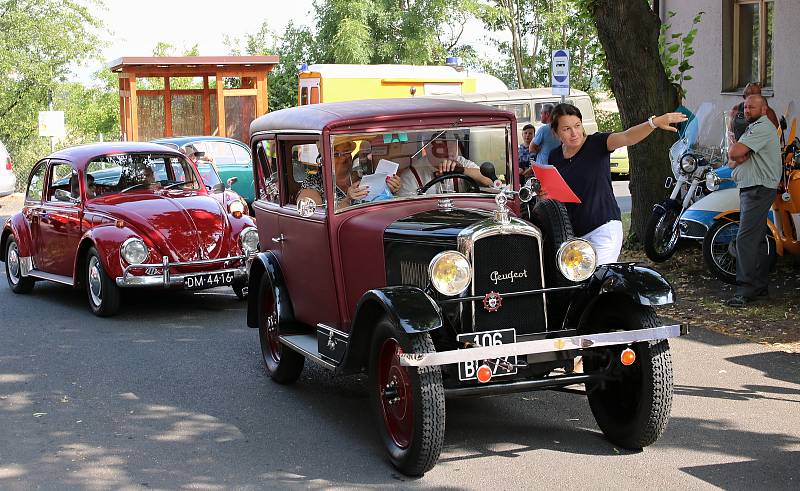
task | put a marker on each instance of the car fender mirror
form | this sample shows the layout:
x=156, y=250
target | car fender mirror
x=306, y=207
x=231, y=181
x=218, y=188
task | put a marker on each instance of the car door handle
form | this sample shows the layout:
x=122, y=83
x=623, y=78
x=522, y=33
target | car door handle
x=278, y=239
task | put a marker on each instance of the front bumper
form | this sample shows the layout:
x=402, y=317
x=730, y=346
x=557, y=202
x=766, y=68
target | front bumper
x=542, y=346
x=168, y=279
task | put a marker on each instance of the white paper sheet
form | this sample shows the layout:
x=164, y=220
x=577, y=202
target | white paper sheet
x=377, y=181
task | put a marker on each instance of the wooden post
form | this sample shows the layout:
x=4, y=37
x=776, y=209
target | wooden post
x=206, y=107
x=220, y=105
x=261, y=95
x=167, y=109
x=123, y=114
x=133, y=131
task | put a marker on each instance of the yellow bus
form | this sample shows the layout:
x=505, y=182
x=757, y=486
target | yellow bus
x=334, y=82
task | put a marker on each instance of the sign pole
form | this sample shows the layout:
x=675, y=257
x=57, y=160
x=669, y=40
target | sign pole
x=560, y=73
x=50, y=108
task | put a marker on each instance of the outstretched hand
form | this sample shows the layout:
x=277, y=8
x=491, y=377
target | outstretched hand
x=665, y=121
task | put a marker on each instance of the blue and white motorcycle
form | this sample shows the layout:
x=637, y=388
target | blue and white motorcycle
x=703, y=147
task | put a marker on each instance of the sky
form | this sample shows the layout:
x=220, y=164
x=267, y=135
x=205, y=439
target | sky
x=137, y=26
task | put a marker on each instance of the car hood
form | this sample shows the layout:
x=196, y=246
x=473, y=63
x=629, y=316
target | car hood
x=184, y=225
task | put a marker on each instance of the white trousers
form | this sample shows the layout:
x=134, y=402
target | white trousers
x=607, y=241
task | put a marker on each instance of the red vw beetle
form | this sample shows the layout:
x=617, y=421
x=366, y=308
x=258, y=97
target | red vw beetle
x=115, y=215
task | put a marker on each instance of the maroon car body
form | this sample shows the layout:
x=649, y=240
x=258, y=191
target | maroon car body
x=435, y=290
x=93, y=218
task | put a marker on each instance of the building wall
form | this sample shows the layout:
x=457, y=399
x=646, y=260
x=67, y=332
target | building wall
x=707, y=84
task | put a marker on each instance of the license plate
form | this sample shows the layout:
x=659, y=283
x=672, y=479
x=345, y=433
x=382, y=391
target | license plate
x=500, y=367
x=208, y=280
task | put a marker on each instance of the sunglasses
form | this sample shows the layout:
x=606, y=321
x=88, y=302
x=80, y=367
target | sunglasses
x=341, y=154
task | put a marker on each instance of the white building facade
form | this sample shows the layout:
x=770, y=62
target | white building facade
x=740, y=41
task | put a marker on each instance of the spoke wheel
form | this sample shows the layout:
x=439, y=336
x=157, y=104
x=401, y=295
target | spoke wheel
x=661, y=234
x=103, y=294
x=17, y=282
x=719, y=250
x=283, y=364
x=408, y=402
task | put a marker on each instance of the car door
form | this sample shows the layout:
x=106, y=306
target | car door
x=59, y=220
x=33, y=205
x=304, y=241
x=267, y=206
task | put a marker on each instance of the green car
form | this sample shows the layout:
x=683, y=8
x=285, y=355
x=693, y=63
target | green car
x=231, y=158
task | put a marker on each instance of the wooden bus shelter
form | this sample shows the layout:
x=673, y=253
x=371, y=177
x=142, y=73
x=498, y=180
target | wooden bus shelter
x=167, y=96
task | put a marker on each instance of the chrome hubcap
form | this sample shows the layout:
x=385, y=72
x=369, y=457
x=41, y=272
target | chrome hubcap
x=95, y=286
x=13, y=263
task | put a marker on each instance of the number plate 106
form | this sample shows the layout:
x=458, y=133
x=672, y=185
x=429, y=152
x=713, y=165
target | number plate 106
x=507, y=365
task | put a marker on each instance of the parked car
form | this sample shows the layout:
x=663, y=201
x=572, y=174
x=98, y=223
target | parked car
x=8, y=181
x=436, y=292
x=231, y=157
x=619, y=162
x=124, y=215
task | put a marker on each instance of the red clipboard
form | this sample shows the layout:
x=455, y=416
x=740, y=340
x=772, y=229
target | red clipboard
x=553, y=185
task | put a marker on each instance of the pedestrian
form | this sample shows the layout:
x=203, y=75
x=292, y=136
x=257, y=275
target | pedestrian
x=756, y=163
x=525, y=155
x=546, y=139
x=738, y=120
x=584, y=163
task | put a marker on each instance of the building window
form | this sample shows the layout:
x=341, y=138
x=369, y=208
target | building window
x=752, y=38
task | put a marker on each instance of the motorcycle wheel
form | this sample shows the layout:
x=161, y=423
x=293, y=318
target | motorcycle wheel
x=661, y=233
x=719, y=250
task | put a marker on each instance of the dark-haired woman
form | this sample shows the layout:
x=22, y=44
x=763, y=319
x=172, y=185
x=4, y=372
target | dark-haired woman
x=584, y=162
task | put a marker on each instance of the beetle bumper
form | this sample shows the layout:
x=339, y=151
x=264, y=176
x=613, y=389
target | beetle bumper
x=168, y=279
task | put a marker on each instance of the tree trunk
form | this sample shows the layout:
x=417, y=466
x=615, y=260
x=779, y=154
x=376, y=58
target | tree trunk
x=628, y=31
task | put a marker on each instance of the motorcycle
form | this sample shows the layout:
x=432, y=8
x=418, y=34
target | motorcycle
x=703, y=147
x=783, y=222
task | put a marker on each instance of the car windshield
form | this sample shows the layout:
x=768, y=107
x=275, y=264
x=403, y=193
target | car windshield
x=208, y=173
x=139, y=171
x=479, y=157
x=219, y=152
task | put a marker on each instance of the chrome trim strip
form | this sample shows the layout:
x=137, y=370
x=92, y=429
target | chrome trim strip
x=329, y=328
x=56, y=278
x=172, y=279
x=540, y=346
x=513, y=294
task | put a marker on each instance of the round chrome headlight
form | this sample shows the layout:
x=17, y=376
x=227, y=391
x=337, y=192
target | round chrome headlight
x=450, y=273
x=688, y=164
x=712, y=181
x=134, y=251
x=236, y=208
x=577, y=259
x=249, y=240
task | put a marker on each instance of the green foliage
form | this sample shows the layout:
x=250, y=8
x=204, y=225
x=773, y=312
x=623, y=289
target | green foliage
x=676, y=49
x=608, y=121
x=39, y=40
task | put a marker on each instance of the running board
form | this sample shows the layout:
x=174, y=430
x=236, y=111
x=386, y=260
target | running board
x=57, y=278
x=306, y=345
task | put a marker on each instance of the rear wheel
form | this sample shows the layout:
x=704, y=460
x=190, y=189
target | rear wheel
x=102, y=292
x=283, y=364
x=661, y=233
x=719, y=250
x=17, y=282
x=633, y=407
x=408, y=402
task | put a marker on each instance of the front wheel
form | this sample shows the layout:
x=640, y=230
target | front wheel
x=661, y=233
x=17, y=282
x=101, y=290
x=283, y=364
x=633, y=406
x=408, y=402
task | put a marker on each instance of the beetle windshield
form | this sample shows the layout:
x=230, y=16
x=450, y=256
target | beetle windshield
x=114, y=174
x=371, y=167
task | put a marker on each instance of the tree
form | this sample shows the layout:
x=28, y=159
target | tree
x=629, y=31
x=39, y=40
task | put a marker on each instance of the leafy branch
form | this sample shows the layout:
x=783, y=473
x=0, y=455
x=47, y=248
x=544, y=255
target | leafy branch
x=676, y=50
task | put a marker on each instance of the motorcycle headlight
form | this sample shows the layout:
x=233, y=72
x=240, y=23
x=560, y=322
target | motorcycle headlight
x=688, y=164
x=577, y=259
x=236, y=208
x=134, y=251
x=712, y=181
x=249, y=240
x=450, y=273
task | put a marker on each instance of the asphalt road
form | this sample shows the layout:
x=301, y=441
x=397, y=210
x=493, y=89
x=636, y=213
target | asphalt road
x=171, y=394
x=622, y=194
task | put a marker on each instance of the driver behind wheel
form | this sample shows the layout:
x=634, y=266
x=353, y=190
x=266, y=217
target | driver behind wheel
x=439, y=156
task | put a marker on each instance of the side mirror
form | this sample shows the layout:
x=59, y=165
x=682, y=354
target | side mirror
x=218, y=188
x=198, y=155
x=531, y=189
x=231, y=181
x=65, y=196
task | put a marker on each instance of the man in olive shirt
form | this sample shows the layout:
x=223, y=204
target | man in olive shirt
x=756, y=163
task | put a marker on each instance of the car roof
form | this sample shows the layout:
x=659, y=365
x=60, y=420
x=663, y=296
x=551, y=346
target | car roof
x=183, y=140
x=81, y=154
x=316, y=117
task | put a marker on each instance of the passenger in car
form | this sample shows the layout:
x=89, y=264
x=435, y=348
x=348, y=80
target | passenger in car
x=347, y=188
x=438, y=157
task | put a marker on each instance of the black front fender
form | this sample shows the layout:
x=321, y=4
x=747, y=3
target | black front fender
x=265, y=263
x=642, y=285
x=408, y=308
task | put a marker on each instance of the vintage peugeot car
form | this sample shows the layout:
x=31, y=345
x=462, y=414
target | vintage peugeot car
x=454, y=284
x=125, y=215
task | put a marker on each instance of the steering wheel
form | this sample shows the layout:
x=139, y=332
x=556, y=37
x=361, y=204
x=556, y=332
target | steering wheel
x=436, y=180
x=135, y=186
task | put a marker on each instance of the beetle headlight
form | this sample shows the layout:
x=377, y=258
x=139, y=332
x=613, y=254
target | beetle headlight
x=249, y=240
x=576, y=259
x=236, y=208
x=450, y=273
x=134, y=251
x=688, y=164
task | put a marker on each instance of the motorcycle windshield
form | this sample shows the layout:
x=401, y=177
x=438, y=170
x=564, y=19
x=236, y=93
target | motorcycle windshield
x=704, y=133
x=790, y=117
